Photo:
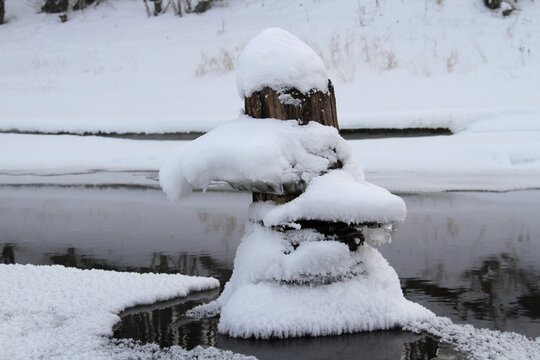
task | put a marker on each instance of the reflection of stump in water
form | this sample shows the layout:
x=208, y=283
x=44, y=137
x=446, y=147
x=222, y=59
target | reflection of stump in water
x=8, y=255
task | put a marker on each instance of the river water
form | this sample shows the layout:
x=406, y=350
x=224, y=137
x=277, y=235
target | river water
x=473, y=257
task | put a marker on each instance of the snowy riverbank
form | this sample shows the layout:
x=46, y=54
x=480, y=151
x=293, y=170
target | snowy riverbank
x=65, y=313
x=394, y=64
x=498, y=154
x=432, y=64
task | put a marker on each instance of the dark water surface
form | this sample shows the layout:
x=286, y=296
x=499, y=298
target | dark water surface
x=474, y=257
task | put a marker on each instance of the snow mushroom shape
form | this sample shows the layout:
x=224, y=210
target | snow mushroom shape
x=279, y=60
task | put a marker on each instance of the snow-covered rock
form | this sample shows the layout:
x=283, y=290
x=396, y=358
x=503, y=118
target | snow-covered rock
x=279, y=60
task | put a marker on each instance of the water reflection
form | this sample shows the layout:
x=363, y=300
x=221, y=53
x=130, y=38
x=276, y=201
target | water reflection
x=176, y=263
x=165, y=325
x=8, y=255
x=372, y=345
x=471, y=256
x=500, y=290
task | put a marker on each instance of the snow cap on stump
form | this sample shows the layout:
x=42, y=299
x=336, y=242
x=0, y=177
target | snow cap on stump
x=279, y=60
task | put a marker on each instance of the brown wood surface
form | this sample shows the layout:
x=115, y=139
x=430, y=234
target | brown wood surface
x=314, y=106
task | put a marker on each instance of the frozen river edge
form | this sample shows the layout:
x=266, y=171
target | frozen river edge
x=479, y=159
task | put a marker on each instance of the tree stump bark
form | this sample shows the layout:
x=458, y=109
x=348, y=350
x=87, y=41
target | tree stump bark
x=291, y=104
x=2, y=12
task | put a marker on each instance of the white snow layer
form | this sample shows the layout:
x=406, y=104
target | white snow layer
x=275, y=156
x=338, y=196
x=320, y=288
x=279, y=60
x=66, y=313
x=393, y=63
x=266, y=154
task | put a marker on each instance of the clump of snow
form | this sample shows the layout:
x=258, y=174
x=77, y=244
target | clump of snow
x=288, y=99
x=267, y=155
x=338, y=197
x=271, y=292
x=279, y=60
x=58, y=312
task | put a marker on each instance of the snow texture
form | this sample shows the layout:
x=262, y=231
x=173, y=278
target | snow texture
x=480, y=344
x=338, y=197
x=318, y=289
x=129, y=350
x=279, y=60
x=267, y=155
x=66, y=313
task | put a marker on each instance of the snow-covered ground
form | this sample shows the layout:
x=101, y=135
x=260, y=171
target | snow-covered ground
x=64, y=313
x=394, y=63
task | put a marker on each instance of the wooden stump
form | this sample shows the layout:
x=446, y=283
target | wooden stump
x=291, y=104
x=2, y=12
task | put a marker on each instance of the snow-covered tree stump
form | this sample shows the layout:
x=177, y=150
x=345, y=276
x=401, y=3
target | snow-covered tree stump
x=306, y=265
x=286, y=102
x=291, y=104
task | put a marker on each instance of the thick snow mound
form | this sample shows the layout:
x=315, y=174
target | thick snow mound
x=267, y=155
x=279, y=60
x=266, y=255
x=58, y=312
x=318, y=288
x=338, y=197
